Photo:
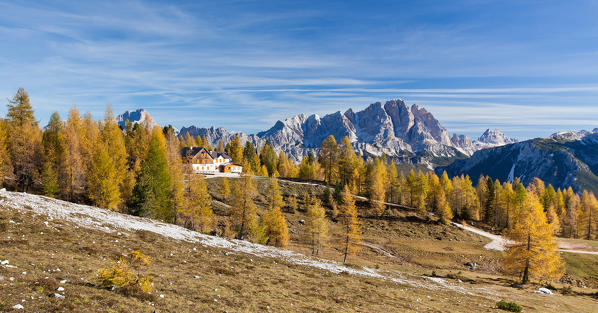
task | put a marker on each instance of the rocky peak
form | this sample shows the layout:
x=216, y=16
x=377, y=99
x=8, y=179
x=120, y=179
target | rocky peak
x=139, y=116
x=495, y=137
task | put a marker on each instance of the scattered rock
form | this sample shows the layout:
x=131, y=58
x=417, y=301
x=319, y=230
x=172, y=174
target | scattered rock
x=60, y=289
x=16, y=306
x=472, y=265
x=301, y=221
x=58, y=296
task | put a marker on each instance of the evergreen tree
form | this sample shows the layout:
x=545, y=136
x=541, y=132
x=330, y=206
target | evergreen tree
x=268, y=159
x=533, y=255
x=351, y=224
x=317, y=226
x=152, y=193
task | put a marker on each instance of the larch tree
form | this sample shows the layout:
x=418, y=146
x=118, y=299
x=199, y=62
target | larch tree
x=235, y=150
x=533, y=253
x=5, y=163
x=114, y=140
x=152, y=193
x=377, y=187
x=347, y=161
x=220, y=146
x=392, y=183
x=197, y=208
x=75, y=171
x=244, y=211
x=102, y=189
x=588, y=216
x=176, y=169
x=316, y=226
x=328, y=159
x=225, y=189
x=54, y=163
x=443, y=210
x=347, y=216
x=276, y=228
x=24, y=141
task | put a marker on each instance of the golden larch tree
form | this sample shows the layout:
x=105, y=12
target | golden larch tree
x=197, y=204
x=533, y=253
x=347, y=216
x=316, y=226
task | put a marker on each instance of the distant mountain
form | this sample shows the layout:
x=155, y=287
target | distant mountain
x=567, y=159
x=135, y=117
x=393, y=128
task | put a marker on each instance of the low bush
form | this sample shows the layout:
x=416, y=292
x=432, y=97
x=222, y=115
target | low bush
x=125, y=276
x=509, y=306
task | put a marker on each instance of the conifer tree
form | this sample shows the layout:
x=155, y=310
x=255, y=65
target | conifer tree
x=443, y=210
x=292, y=204
x=533, y=255
x=351, y=224
x=347, y=162
x=268, y=158
x=377, y=190
x=235, y=150
x=244, y=211
x=275, y=224
x=103, y=192
x=114, y=140
x=329, y=159
x=152, y=193
x=75, y=170
x=5, y=163
x=392, y=183
x=588, y=216
x=220, y=146
x=176, y=169
x=54, y=157
x=24, y=141
x=316, y=226
x=197, y=207
x=225, y=189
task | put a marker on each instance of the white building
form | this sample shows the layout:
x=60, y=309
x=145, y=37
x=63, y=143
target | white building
x=209, y=162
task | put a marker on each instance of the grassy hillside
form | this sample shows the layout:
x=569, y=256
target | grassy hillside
x=401, y=252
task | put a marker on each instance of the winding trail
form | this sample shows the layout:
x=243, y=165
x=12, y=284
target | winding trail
x=499, y=243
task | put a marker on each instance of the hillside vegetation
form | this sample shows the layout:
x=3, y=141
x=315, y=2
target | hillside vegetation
x=52, y=244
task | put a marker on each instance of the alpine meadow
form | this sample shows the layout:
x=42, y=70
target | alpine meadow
x=273, y=156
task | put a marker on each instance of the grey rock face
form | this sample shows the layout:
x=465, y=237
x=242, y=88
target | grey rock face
x=139, y=116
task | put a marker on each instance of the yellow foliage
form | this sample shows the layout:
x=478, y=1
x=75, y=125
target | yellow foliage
x=124, y=274
x=533, y=253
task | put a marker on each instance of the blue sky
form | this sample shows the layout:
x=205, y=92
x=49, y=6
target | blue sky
x=529, y=68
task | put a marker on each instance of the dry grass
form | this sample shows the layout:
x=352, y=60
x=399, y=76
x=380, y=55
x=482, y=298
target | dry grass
x=229, y=282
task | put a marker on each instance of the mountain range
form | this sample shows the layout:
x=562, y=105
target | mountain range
x=565, y=159
x=394, y=128
x=412, y=134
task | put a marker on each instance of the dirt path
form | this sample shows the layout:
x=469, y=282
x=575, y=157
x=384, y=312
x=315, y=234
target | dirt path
x=499, y=243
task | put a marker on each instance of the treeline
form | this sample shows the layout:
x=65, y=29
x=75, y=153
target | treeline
x=138, y=170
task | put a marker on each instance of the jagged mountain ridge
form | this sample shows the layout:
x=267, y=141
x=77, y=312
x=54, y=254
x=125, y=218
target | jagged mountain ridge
x=138, y=116
x=393, y=128
x=566, y=159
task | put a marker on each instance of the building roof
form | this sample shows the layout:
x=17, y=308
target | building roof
x=189, y=152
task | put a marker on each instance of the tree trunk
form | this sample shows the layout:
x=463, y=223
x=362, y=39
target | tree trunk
x=526, y=270
x=346, y=244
